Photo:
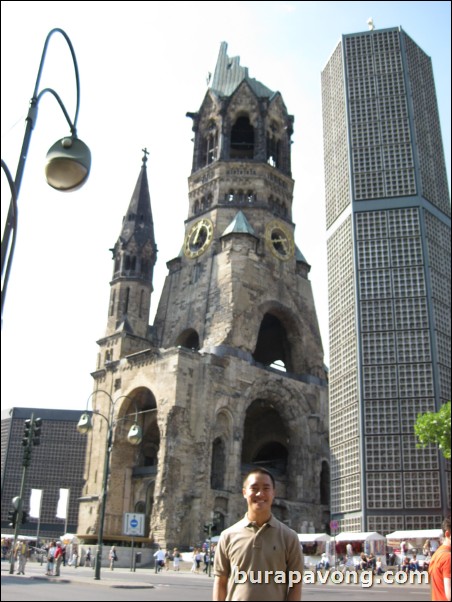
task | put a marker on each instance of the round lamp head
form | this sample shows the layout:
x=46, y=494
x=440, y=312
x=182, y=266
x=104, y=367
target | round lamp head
x=135, y=434
x=67, y=164
x=84, y=424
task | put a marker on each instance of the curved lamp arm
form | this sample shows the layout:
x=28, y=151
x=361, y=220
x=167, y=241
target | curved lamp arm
x=84, y=425
x=33, y=110
x=77, y=78
x=63, y=108
x=68, y=151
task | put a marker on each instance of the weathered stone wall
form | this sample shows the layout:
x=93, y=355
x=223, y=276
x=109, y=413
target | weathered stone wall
x=191, y=390
x=233, y=305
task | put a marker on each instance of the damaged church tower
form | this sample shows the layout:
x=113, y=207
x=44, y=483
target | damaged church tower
x=231, y=374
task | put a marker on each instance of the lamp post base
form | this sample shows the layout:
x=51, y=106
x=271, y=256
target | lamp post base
x=98, y=563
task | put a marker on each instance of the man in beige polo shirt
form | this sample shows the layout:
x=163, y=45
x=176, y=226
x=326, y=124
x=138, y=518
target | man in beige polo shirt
x=258, y=558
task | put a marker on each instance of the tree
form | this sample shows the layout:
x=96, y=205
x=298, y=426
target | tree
x=434, y=427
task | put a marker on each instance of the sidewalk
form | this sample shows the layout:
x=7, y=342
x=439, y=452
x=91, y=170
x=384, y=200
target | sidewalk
x=119, y=577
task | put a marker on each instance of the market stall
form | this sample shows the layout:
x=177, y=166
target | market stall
x=416, y=540
x=369, y=542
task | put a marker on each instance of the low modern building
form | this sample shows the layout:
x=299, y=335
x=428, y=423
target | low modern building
x=56, y=464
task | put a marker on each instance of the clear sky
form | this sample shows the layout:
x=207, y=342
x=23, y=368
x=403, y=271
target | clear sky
x=142, y=66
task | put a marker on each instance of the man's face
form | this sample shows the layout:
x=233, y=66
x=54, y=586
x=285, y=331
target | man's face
x=259, y=492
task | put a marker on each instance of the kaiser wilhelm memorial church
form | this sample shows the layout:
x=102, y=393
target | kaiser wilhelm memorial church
x=230, y=375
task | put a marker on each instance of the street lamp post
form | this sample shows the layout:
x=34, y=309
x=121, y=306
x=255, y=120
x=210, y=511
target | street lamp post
x=67, y=166
x=134, y=437
x=210, y=528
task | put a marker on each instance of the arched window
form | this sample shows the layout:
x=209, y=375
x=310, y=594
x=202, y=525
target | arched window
x=325, y=484
x=272, y=346
x=130, y=263
x=273, y=151
x=218, y=464
x=242, y=139
x=265, y=439
x=141, y=307
x=218, y=521
x=112, y=302
x=189, y=339
x=126, y=300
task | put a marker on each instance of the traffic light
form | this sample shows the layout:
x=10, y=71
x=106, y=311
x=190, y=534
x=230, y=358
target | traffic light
x=26, y=457
x=24, y=517
x=28, y=424
x=37, y=425
x=12, y=518
x=32, y=434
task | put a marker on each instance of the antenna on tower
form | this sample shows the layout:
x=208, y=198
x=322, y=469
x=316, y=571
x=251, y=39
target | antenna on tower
x=370, y=24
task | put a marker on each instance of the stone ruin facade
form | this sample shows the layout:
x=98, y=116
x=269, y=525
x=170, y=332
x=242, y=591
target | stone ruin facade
x=231, y=373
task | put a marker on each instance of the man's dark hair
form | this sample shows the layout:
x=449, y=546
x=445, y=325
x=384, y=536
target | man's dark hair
x=259, y=470
x=446, y=525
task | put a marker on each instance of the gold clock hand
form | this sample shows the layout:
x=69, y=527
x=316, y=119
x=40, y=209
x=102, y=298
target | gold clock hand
x=197, y=234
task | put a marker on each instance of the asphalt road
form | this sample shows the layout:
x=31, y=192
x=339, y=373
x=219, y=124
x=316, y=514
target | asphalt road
x=144, y=584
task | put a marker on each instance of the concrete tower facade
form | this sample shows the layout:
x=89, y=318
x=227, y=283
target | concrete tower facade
x=231, y=374
x=388, y=228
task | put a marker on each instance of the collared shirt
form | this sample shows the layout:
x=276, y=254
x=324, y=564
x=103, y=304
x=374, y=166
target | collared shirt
x=258, y=560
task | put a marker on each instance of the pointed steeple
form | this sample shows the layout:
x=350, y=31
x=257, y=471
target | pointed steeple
x=134, y=255
x=137, y=222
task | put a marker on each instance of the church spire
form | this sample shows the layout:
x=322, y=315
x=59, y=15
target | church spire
x=134, y=256
x=137, y=224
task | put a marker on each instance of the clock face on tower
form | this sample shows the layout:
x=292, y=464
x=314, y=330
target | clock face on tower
x=198, y=238
x=279, y=240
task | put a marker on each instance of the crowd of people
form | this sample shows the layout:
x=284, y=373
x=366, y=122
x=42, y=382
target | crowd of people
x=259, y=491
x=172, y=559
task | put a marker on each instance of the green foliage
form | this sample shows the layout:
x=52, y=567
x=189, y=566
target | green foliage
x=434, y=427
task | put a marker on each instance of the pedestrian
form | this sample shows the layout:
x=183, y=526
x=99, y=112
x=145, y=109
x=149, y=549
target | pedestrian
x=21, y=554
x=58, y=558
x=74, y=557
x=206, y=561
x=176, y=559
x=324, y=562
x=113, y=557
x=439, y=567
x=379, y=566
x=159, y=560
x=403, y=548
x=258, y=558
x=88, y=557
x=50, y=558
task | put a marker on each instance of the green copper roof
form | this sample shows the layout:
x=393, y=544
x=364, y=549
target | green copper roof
x=299, y=255
x=229, y=74
x=239, y=225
